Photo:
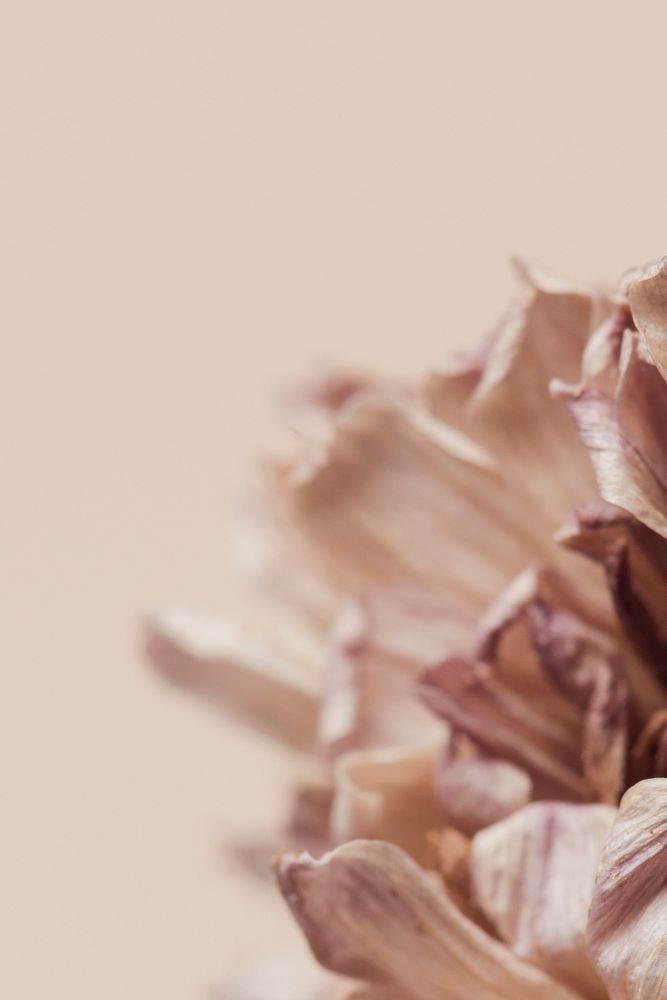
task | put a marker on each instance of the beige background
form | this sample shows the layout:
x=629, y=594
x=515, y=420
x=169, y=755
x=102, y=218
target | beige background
x=198, y=201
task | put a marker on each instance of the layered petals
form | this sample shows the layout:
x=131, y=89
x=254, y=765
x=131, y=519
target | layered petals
x=370, y=912
x=620, y=408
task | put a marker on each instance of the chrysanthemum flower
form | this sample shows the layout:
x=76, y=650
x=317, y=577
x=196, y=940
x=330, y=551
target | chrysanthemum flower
x=466, y=629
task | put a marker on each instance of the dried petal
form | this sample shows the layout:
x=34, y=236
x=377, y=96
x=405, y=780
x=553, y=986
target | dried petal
x=620, y=408
x=505, y=725
x=217, y=660
x=647, y=292
x=635, y=562
x=533, y=876
x=378, y=642
x=397, y=497
x=626, y=929
x=499, y=394
x=369, y=911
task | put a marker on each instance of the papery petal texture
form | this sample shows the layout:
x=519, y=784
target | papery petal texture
x=533, y=875
x=627, y=936
x=369, y=911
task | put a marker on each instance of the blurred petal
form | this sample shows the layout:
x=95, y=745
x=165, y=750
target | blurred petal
x=369, y=911
x=388, y=795
x=475, y=790
x=285, y=975
x=216, y=659
x=648, y=758
x=628, y=915
x=533, y=876
x=393, y=496
x=377, y=643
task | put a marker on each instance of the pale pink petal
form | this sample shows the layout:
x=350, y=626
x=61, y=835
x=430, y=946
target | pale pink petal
x=475, y=790
x=213, y=657
x=369, y=911
x=626, y=929
x=387, y=794
x=533, y=875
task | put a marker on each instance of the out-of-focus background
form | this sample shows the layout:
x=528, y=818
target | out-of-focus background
x=200, y=201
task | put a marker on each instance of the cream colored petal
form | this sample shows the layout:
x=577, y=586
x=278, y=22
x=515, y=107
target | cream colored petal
x=628, y=915
x=533, y=876
x=213, y=657
x=387, y=794
x=369, y=911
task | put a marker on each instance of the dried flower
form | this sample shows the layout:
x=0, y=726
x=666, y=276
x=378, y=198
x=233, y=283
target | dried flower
x=467, y=625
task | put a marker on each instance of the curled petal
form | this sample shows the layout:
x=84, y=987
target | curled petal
x=216, y=659
x=533, y=876
x=386, y=794
x=626, y=928
x=369, y=911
